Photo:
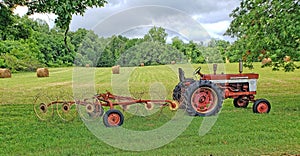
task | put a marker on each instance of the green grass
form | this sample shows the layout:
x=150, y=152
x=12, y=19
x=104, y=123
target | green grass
x=236, y=131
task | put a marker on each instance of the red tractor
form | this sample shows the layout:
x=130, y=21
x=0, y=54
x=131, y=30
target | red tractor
x=204, y=97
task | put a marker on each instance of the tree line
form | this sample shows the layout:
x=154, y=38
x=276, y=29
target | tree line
x=28, y=44
x=264, y=30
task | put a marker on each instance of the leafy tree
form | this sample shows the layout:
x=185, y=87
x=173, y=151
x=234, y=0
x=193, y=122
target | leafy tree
x=191, y=50
x=19, y=49
x=89, y=47
x=6, y=20
x=52, y=47
x=132, y=42
x=156, y=34
x=14, y=27
x=150, y=53
x=113, y=50
x=19, y=55
x=212, y=55
x=115, y=47
x=64, y=9
x=267, y=29
x=219, y=49
x=178, y=43
x=41, y=26
x=78, y=37
x=101, y=52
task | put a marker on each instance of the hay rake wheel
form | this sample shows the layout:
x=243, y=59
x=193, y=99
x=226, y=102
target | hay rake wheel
x=66, y=110
x=43, y=110
x=113, y=118
x=89, y=109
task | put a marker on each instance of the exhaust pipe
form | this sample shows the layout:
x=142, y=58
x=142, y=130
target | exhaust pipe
x=241, y=66
x=215, y=67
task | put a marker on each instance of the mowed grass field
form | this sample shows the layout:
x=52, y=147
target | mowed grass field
x=236, y=131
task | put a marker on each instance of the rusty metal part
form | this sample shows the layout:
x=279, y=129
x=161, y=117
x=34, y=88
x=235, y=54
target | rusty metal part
x=149, y=106
x=174, y=105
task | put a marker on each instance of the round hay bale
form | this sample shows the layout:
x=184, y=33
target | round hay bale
x=173, y=62
x=87, y=65
x=42, y=72
x=116, y=69
x=5, y=73
x=266, y=61
x=142, y=64
x=287, y=59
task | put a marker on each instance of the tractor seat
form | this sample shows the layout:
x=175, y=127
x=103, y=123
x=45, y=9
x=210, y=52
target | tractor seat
x=182, y=77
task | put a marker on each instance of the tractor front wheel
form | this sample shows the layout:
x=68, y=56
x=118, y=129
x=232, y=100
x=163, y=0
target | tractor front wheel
x=203, y=98
x=241, y=102
x=261, y=106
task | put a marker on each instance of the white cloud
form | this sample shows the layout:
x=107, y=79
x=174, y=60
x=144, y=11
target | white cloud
x=197, y=17
x=217, y=28
x=20, y=10
x=49, y=18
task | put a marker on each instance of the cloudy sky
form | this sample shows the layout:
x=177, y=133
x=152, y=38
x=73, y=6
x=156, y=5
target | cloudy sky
x=189, y=19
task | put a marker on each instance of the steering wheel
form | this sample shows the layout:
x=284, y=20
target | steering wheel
x=198, y=71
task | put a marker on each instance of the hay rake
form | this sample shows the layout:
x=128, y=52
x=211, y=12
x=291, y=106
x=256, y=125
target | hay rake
x=92, y=108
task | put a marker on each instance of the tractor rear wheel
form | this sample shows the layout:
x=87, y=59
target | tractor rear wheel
x=203, y=98
x=261, y=106
x=241, y=102
x=177, y=92
x=180, y=89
